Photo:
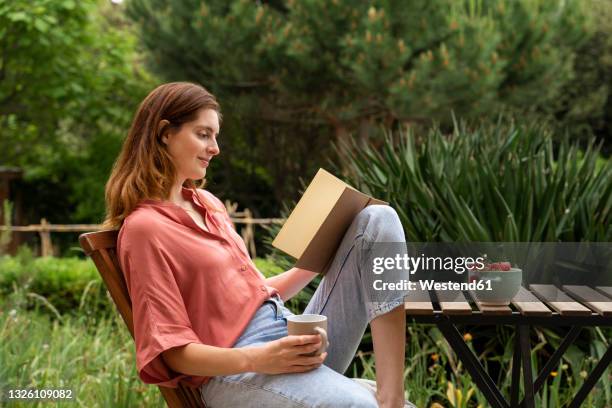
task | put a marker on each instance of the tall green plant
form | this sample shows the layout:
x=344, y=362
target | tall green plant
x=500, y=182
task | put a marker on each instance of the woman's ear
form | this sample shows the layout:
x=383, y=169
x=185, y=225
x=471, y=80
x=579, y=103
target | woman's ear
x=160, y=128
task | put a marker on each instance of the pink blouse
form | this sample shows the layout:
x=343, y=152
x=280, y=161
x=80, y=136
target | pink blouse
x=187, y=285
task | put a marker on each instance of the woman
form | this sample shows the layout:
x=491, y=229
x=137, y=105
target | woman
x=202, y=311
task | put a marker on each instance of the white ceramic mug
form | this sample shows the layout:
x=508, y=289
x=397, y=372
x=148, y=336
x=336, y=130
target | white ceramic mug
x=309, y=324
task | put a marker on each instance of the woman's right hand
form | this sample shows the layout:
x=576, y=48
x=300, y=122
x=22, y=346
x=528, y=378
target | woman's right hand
x=283, y=355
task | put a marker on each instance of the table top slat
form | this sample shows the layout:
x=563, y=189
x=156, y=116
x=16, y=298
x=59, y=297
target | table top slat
x=492, y=310
x=529, y=305
x=606, y=290
x=559, y=301
x=591, y=298
x=488, y=309
x=419, y=303
x=452, y=302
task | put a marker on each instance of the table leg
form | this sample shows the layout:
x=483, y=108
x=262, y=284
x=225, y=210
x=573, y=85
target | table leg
x=599, y=369
x=516, y=371
x=523, y=332
x=479, y=375
x=553, y=361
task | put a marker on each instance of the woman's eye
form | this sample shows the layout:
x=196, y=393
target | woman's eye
x=204, y=135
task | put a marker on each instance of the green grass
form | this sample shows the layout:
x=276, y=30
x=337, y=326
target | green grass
x=93, y=358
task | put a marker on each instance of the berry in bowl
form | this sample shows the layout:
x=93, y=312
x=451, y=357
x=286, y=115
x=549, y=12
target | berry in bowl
x=500, y=283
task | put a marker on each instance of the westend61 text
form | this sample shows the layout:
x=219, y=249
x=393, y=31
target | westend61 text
x=405, y=284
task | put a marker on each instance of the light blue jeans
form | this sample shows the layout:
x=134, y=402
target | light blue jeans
x=341, y=297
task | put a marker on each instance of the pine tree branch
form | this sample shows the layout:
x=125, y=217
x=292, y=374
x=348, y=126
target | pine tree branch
x=408, y=65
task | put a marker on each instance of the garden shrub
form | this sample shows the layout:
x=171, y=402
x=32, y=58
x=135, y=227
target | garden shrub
x=68, y=285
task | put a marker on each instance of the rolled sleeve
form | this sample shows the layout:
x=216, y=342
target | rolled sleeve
x=160, y=317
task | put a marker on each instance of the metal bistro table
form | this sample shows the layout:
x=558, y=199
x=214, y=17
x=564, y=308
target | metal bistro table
x=541, y=305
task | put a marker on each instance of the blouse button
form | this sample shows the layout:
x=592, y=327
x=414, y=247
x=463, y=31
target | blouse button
x=243, y=268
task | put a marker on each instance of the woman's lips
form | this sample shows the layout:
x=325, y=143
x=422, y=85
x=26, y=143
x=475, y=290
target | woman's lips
x=203, y=162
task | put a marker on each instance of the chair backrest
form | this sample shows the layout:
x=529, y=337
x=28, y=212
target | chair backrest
x=102, y=248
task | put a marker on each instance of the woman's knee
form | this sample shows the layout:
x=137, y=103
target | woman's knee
x=378, y=210
x=382, y=224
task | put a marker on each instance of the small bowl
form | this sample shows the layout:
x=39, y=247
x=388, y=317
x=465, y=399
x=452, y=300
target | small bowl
x=504, y=286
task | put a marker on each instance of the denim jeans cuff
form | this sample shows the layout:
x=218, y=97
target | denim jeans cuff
x=375, y=309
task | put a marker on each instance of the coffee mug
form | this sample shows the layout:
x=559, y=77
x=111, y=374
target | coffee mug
x=309, y=324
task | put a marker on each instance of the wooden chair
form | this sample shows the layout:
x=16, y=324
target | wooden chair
x=102, y=248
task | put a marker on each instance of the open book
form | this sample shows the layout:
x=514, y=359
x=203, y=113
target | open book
x=317, y=224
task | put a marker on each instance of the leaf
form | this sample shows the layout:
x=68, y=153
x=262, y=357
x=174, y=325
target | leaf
x=68, y=4
x=18, y=16
x=41, y=25
x=450, y=394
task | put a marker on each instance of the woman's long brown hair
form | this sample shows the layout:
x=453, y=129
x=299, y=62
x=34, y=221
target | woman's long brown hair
x=144, y=169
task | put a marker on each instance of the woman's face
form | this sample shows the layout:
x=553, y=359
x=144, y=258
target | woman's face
x=194, y=145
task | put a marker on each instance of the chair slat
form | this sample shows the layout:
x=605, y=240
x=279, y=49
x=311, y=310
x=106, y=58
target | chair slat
x=559, y=301
x=591, y=298
x=189, y=397
x=115, y=283
x=93, y=241
x=452, y=302
x=419, y=303
x=174, y=397
x=529, y=305
x=606, y=290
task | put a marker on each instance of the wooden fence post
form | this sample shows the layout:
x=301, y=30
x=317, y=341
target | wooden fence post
x=46, y=248
x=247, y=232
x=248, y=235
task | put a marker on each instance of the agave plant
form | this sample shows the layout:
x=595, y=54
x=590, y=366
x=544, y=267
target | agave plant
x=493, y=183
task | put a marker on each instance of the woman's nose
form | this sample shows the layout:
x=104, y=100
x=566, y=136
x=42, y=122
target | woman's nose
x=214, y=148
